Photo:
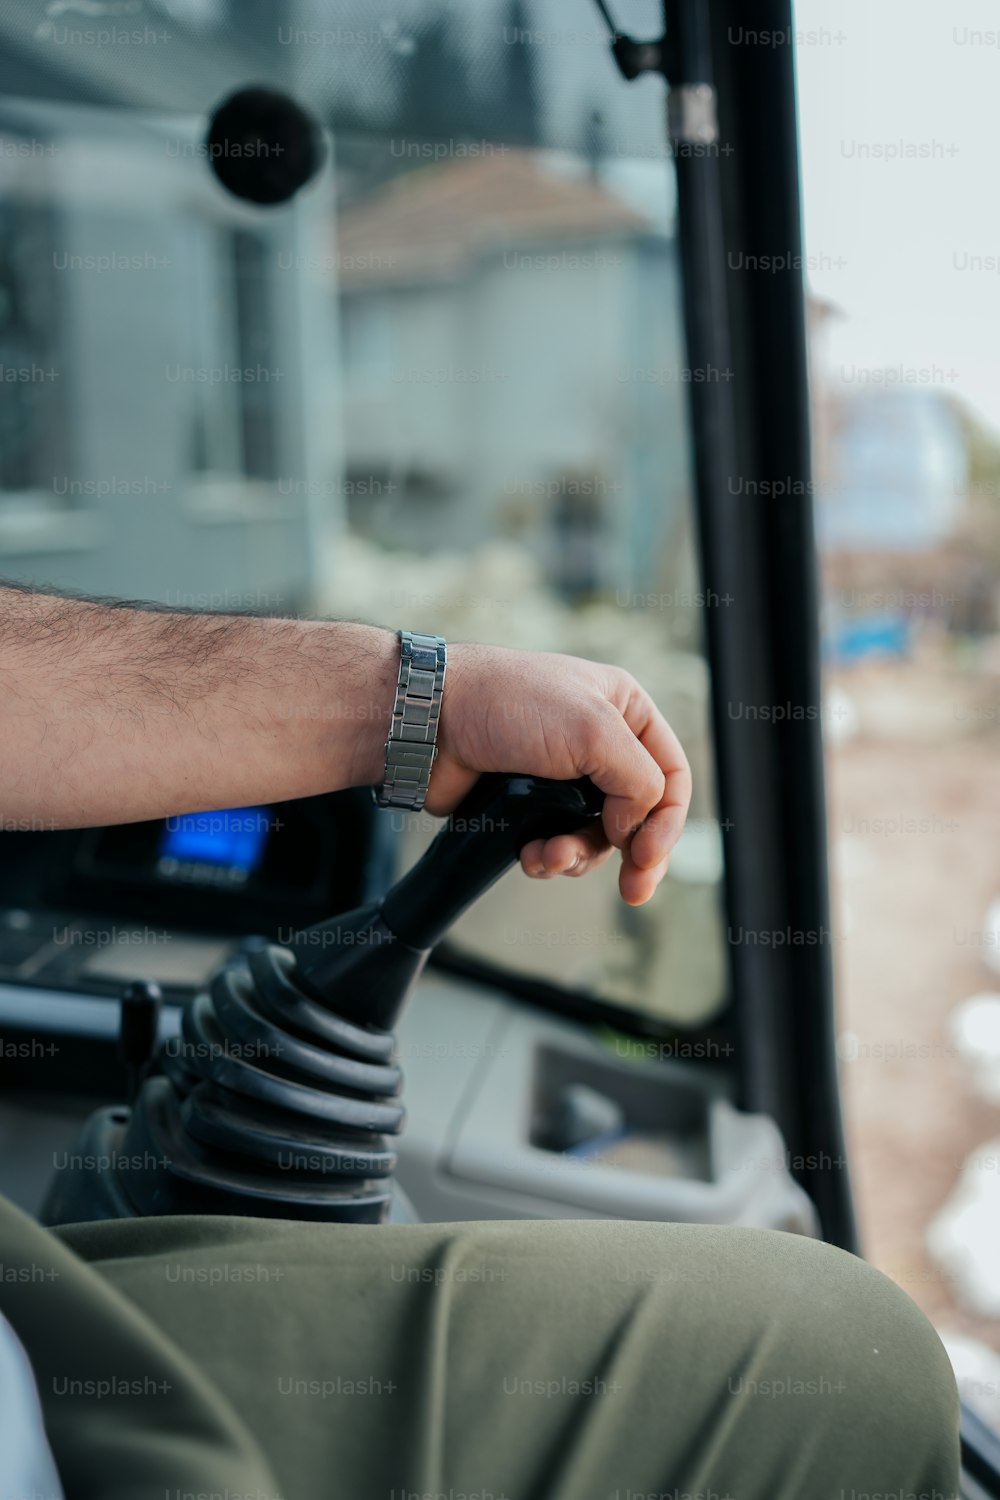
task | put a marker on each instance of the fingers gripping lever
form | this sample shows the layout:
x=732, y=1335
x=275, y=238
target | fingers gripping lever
x=282, y=1094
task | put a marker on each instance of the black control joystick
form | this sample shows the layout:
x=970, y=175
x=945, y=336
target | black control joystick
x=281, y=1095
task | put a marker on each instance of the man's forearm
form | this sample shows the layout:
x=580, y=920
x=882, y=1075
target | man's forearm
x=116, y=713
x=110, y=713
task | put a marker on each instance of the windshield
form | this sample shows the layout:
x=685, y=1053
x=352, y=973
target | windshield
x=443, y=388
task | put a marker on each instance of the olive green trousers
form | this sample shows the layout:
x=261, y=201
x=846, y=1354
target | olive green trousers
x=566, y=1360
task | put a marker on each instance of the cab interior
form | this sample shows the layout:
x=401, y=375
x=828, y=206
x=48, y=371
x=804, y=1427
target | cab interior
x=457, y=341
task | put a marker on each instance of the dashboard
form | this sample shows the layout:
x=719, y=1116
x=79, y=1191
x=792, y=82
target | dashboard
x=84, y=913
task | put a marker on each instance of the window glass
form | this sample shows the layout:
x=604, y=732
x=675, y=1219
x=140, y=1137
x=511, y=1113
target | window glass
x=902, y=243
x=445, y=388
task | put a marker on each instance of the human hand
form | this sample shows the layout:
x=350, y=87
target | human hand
x=562, y=716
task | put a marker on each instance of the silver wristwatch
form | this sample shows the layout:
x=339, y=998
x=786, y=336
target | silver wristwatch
x=412, y=743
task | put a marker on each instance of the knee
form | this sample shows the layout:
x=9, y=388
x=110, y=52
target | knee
x=840, y=1329
x=823, y=1364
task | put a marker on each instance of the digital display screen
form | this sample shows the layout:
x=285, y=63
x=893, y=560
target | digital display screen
x=231, y=840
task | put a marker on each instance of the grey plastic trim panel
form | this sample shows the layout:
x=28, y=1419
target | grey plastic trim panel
x=467, y=1151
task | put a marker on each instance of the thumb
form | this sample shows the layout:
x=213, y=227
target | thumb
x=450, y=783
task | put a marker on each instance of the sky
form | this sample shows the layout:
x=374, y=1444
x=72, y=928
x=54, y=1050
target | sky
x=893, y=236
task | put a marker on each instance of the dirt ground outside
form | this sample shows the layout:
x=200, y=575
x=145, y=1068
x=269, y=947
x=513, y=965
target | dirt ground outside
x=914, y=819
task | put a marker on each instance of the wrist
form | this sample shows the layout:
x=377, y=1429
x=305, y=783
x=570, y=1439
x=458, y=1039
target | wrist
x=351, y=678
x=368, y=695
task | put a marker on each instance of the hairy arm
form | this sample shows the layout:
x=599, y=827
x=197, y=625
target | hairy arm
x=113, y=712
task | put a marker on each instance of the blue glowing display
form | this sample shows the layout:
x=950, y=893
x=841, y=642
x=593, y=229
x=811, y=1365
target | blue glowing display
x=231, y=838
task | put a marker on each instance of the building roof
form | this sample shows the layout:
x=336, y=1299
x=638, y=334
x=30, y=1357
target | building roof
x=428, y=224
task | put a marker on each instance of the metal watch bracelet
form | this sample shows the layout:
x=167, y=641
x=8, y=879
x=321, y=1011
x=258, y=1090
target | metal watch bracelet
x=412, y=743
